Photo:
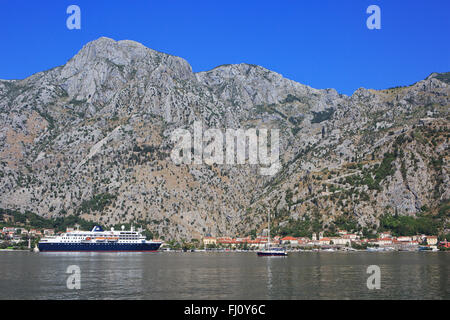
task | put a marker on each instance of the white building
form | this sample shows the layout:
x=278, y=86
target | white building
x=385, y=241
x=290, y=240
x=351, y=236
x=432, y=240
x=385, y=234
x=340, y=241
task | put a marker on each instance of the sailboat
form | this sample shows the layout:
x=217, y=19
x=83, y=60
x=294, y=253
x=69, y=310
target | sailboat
x=268, y=251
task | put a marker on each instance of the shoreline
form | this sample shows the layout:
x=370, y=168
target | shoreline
x=234, y=251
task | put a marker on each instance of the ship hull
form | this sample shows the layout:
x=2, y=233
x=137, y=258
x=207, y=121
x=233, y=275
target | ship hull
x=98, y=247
x=271, y=254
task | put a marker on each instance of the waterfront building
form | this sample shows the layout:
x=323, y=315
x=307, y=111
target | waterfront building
x=384, y=241
x=444, y=244
x=290, y=240
x=385, y=234
x=340, y=241
x=432, y=240
x=49, y=232
x=209, y=241
x=351, y=236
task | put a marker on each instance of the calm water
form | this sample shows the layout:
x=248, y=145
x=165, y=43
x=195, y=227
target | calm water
x=326, y=275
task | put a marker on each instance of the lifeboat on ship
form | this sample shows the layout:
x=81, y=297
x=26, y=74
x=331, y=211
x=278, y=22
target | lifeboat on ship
x=86, y=240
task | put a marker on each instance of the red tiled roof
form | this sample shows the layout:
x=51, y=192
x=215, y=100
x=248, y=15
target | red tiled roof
x=289, y=239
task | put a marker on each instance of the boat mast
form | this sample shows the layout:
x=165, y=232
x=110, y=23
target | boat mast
x=268, y=239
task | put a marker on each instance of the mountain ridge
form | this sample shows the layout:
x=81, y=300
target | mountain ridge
x=104, y=39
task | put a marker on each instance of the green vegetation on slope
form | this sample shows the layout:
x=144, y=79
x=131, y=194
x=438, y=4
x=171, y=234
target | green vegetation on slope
x=409, y=226
x=322, y=116
x=32, y=220
x=97, y=203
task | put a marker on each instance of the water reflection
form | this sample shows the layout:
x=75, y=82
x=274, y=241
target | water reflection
x=224, y=276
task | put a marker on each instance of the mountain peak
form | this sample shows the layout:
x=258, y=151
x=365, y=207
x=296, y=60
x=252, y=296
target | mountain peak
x=110, y=63
x=119, y=52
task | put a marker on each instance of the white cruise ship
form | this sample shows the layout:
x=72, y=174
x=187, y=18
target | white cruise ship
x=99, y=240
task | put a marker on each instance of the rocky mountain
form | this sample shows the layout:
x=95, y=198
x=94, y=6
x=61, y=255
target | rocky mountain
x=92, y=138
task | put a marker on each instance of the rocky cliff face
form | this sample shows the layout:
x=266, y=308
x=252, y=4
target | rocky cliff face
x=92, y=138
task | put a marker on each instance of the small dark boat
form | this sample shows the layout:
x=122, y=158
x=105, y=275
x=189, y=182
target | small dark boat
x=271, y=252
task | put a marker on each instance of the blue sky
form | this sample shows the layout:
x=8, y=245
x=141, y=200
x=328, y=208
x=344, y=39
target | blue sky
x=321, y=43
